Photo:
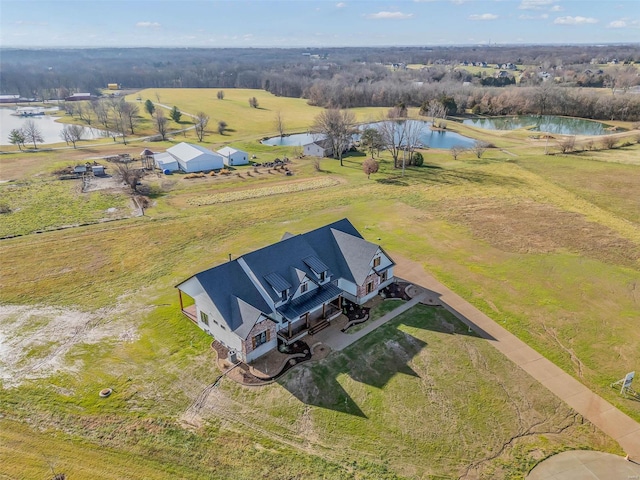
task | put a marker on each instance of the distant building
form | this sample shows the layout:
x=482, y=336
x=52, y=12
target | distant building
x=113, y=86
x=233, y=157
x=9, y=98
x=319, y=148
x=76, y=97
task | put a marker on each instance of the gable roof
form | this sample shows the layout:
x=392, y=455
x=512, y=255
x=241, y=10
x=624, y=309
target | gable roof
x=227, y=151
x=188, y=151
x=224, y=285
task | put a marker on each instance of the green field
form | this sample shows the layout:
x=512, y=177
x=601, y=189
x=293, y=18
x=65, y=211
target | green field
x=546, y=245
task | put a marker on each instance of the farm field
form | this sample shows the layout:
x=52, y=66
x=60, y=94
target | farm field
x=546, y=245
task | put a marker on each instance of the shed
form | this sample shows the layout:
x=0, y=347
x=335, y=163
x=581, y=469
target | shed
x=194, y=158
x=98, y=170
x=80, y=169
x=233, y=157
x=321, y=148
x=166, y=161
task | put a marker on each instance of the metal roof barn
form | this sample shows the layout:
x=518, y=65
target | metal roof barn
x=194, y=158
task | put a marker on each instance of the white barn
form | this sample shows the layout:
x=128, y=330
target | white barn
x=320, y=148
x=166, y=161
x=194, y=158
x=233, y=157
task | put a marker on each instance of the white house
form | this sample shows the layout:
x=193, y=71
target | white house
x=319, y=148
x=194, y=158
x=286, y=290
x=166, y=161
x=233, y=157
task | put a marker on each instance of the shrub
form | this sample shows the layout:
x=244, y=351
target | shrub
x=567, y=144
x=609, y=142
x=5, y=208
x=417, y=159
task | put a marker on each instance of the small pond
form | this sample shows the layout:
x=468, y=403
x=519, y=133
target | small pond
x=428, y=138
x=46, y=123
x=541, y=123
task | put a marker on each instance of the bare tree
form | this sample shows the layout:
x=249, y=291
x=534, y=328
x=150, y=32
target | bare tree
x=338, y=127
x=456, y=151
x=253, y=102
x=608, y=142
x=129, y=175
x=85, y=112
x=278, y=122
x=118, y=117
x=32, y=133
x=131, y=112
x=202, y=120
x=479, y=148
x=72, y=133
x=222, y=127
x=161, y=124
x=16, y=137
x=370, y=166
x=567, y=144
x=393, y=137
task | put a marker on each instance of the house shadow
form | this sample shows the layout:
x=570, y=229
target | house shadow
x=373, y=360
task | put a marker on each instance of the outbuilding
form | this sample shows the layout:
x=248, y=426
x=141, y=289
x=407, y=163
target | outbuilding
x=233, y=157
x=165, y=161
x=194, y=158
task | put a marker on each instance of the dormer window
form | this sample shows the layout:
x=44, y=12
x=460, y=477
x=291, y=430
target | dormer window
x=322, y=276
x=304, y=287
x=283, y=295
x=376, y=262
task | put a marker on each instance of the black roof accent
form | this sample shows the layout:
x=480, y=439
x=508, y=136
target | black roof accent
x=313, y=299
x=315, y=264
x=278, y=283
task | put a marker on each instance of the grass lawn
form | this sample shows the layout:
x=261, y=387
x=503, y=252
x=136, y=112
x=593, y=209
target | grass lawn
x=548, y=246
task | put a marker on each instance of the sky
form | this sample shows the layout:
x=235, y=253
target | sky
x=315, y=23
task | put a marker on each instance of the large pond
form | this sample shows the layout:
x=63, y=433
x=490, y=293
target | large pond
x=428, y=138
x=46, y=124
x=542, y=123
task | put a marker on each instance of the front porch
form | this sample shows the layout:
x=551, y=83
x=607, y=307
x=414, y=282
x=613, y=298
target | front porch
x=312, y=322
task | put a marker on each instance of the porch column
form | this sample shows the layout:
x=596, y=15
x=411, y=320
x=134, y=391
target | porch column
x=340, y=302
x=306, y=319
x=289, y=322
x=324, y=305
x=180, y=297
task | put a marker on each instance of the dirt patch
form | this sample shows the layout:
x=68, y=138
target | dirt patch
x=531, y=227
x=34, y=340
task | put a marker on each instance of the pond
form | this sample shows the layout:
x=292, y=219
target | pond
x=542, y=123
x=46, y=123
x=428, y=138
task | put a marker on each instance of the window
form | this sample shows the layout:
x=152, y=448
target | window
x=322, y=276
x=384, y=276
x=261, y=338
x=376, y=262
x=204, y=318
x=304, y=287
x=369, y=287
x=283, y=295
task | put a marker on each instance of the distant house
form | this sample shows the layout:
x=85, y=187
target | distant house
x=283, y=291
x=233, y=157
x=75, y=97
x=194, y=158
x=319, y=148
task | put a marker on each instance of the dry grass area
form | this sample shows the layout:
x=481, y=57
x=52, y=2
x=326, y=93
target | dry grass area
x=530, y=227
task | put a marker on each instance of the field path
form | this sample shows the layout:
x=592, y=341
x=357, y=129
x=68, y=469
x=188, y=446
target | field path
x=619, y=426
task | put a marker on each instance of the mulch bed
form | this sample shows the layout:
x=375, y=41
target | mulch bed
x=241, y=374
x=397, y=290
